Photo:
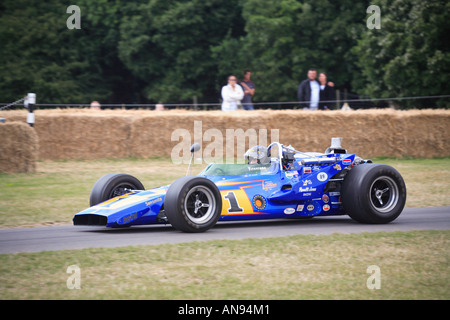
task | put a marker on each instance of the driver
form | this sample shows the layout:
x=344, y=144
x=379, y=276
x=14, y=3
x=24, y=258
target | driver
x=257, y=155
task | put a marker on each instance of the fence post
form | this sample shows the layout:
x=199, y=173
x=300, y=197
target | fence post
x=195, y=102
x=29, y=103
x=338, y=97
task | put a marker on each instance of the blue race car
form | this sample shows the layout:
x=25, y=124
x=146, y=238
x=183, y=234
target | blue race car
x=274, y=182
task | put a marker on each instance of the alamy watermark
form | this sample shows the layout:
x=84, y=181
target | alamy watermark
x=373, y=21
x=74, y=20
x=374, y=280
x=74, y=280
x=216, y=145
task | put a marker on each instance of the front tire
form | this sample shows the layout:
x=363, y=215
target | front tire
x=373, y=193
x=113, y=185
x=193, y=204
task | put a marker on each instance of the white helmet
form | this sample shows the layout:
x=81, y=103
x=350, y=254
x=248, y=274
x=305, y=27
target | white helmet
x=257, y=155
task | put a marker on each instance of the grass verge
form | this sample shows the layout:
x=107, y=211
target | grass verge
x=413, y=265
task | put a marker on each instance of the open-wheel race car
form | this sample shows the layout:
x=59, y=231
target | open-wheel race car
x=274, y=182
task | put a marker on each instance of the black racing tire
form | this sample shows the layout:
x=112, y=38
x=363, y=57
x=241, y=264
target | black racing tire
x=193, y=204
x=373, y=193
x=113, y=185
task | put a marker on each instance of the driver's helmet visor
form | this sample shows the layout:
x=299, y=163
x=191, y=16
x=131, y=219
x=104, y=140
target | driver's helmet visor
x=257, y=155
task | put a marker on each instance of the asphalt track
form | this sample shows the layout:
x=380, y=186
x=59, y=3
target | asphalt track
x=78, y=237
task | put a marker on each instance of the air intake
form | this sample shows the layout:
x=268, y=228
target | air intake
x=89, y=220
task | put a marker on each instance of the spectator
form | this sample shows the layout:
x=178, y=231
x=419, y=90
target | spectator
x=309, y=91
x=232, y=94
x=326, y=92
x=249, y=90
x=95, y=105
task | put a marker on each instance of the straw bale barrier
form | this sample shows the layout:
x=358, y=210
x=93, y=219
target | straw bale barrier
x=370, y=133
x=78, y=135
x=18, y=148
x=84, y=134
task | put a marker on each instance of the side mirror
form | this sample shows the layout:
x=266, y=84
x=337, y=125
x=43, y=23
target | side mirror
x=195, y=147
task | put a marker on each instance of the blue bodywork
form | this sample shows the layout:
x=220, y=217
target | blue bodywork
x=305, y=186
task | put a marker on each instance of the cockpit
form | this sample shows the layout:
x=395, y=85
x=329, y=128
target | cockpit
x=258, y=160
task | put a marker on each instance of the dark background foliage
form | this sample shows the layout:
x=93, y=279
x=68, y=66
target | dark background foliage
x=172, y=50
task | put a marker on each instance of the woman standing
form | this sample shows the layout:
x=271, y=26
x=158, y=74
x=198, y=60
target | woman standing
x=326, y=92
x=232, y=94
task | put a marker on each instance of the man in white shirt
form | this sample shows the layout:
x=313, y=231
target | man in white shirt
x=232, y=94
x=315, y=95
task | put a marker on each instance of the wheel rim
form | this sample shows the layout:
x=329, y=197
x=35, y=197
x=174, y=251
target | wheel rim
x=384, y=194
x=121, y=189
x=200, y=204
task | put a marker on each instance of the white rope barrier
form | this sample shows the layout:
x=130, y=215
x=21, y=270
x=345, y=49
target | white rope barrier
x=218, y=104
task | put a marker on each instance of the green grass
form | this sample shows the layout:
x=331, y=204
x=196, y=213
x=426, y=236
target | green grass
x=60, y=189
x=413, y=265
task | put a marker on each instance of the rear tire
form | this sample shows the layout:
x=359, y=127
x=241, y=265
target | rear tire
x=373, y=193
x=193, y=204
x=113, y=185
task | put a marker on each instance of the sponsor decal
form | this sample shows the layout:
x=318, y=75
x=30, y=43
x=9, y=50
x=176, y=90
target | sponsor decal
x=129, y=218
x=326, y=207
x=306, y=182
x=307, y=170
x=259, y=202
x=346, y=162
x=335, y=193
x=291, y=174
x=267, y=185
x=256, y=168
x=307, y=189
x=300, y=207
x=289, y=210
x=312, y=208
x=337, y=167
x=149, y=203
x=325, y=198
x=307, y=194
x=322, y=176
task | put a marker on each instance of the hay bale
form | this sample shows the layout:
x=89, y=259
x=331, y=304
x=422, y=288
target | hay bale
x=158, y=133
x=368, y=133
x=19, y=148
x=421, y=133
x=79, y=133
x=84, y=134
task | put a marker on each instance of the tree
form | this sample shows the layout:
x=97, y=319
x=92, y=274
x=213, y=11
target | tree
x=172, y=50
x=409, y=55
x=37, y=53
x=40, y=54
x=167, y=45
x=283, y=39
